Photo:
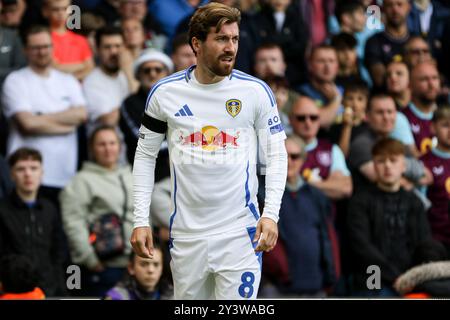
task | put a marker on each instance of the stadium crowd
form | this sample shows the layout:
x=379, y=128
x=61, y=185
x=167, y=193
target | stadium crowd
x=364, y=99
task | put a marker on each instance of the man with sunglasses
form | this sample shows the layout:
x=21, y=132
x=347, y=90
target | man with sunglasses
x=150, y=67
x=325, y=166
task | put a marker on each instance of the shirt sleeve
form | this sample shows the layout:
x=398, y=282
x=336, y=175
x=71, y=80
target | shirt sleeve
x=151, y=135
x=271, y=138
x=402, y=130
x=338, y=161
x=15, y=97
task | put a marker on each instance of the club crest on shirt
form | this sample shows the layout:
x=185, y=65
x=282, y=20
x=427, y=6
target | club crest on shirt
x=447, y=185
x=233, y=107
x=438, y=170
x=324, y=158
x=415, y=128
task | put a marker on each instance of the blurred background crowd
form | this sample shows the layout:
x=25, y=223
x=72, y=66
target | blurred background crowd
x=362, y=88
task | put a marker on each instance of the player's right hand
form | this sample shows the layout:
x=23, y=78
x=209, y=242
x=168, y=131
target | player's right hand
x=142, y=242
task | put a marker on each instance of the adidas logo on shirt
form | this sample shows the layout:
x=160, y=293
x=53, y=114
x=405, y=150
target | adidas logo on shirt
x=184, y=112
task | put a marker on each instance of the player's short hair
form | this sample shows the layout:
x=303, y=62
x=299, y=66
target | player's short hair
x=300, y=143
x=24, y=154
x=378, y=96
x=388, y=147
x=357, y=85
x=105, y=32
x=442, y=113
x=213, y=14
x=320, y=47
x=347, y=7
x=35, y=29
x=343, y=41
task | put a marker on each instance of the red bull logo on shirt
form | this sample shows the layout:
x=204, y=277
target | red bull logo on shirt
x=210, y=138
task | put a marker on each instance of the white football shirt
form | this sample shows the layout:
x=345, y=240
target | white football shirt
x=213, y=132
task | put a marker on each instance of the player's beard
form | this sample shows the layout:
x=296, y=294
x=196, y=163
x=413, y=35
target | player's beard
x=220, y=69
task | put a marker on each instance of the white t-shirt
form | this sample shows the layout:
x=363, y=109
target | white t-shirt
x=104, y=93
x=26, y=91
x=212, y=135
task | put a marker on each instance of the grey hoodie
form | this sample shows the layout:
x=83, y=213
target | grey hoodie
x=93, y=192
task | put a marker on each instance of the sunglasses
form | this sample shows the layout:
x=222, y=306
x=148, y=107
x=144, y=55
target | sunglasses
x=149, y=70
x=295, y=156
x=419, y=51
x=303, y=117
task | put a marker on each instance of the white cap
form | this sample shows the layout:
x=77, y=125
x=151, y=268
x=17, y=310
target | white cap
x=153, y=55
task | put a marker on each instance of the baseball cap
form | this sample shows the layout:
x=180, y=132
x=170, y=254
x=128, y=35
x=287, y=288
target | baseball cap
x=152, y=55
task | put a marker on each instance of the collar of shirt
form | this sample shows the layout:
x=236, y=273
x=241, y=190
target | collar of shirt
x=312, y=145
x=419, y=114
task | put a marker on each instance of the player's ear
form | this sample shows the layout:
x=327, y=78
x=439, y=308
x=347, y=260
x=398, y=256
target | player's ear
x=195, y=44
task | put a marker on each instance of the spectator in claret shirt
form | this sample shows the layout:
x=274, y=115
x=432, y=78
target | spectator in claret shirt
x=71, y=52
x=382, y=47
x=438, y=162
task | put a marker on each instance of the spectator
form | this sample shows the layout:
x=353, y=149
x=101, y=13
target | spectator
x=356, y=96
x=45, y=107
x=351, y=15
x=438, y=162
x=316, y=15
x=269, y=61
x=5, y=181
x=324, y=167
x=143, y=280
x=305, y=226
x=285, y=99
x=108, y=10
x=428, y=18
x=382, y=47
x=345, y=46
x=111, y=82
x=381, y=118
x=385, y=222
x=182, y=54
x=397, y=83
x=417, y=51
x=71, y=52
x=170, y=13
x=323, y=69
x=278, y=22
x=134, y=37
x=12, y=13
x=101, y=191
x=425, y=87
x=11, y=58
x=18, y=279
x=150, y=67
x=30, y=225
x=137, y=10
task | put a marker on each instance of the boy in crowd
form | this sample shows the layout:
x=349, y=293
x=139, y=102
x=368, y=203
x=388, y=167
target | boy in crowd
x=386, y=223
x=356, y=97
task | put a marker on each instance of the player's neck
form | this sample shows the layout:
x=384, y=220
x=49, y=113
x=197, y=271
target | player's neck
x=206, y=76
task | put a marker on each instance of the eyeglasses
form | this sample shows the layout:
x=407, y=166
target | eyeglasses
x=149, y=70
x=294, y=156
x=303, y=117
x=44, y=46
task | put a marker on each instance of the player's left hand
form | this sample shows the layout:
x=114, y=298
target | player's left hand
x=267, y=229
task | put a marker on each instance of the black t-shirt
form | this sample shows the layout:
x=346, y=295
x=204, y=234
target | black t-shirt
x=381, y=48
x=336, y=130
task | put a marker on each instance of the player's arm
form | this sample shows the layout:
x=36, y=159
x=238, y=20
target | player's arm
x=271, y=137
x=151, y=135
